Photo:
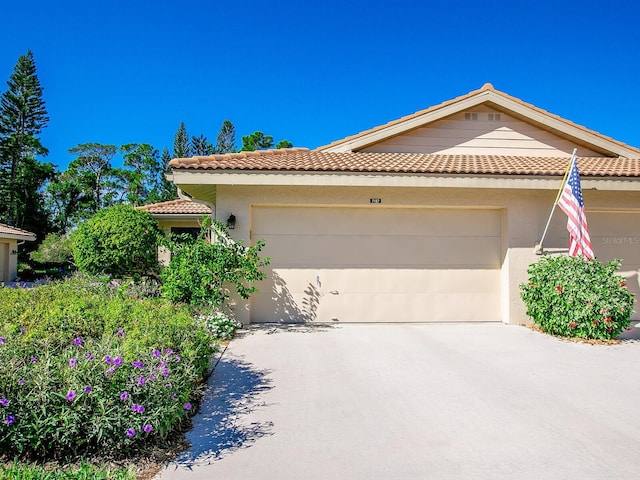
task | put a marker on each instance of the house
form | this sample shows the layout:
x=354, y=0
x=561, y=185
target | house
x=431, y=217
x=180, y=216
x=10, y=238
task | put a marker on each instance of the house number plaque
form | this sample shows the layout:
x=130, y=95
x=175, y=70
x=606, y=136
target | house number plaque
x=375, y=200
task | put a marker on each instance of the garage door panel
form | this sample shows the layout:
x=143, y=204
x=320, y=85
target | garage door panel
x=378, y=265
x=616, y=235
x=377, y=295
x=413, y=251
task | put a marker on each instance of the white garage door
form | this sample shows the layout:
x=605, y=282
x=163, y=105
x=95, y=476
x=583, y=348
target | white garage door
x=617, y=235
x=378, y=264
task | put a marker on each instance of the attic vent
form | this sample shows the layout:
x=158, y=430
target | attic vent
x=494, y=117
x=470, y=116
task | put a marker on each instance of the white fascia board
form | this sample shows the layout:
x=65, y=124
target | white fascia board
x=345, y=179
x=16, y=236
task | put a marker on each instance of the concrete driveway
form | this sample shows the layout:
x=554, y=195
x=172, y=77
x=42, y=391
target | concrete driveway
x=443, y=401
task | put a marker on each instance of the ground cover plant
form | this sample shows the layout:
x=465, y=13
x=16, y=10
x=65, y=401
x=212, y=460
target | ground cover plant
x=574, y=297
x=88, y=365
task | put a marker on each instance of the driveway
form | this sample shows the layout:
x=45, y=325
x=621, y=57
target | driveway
x=437, y=401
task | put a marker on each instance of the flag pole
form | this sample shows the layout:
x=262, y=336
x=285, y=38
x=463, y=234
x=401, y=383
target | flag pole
x=538, y=248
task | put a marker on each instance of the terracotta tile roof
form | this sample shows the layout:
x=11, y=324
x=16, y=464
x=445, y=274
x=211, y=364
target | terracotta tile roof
x=14, y=232
x=178, y=206
x=486, y=87
x=305, y=160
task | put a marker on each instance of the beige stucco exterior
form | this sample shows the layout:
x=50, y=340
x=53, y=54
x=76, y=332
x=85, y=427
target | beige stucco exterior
x=10, y=239
x=522, y=216
x=355, y=242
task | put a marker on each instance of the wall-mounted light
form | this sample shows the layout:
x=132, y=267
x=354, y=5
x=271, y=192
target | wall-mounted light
x=231, y=222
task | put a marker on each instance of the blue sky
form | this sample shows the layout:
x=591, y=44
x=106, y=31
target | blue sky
x=313, y=72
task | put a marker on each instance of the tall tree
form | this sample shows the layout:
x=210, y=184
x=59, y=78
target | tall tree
x=201, y=146
x=256, y=141
x=93, y=171
x=181, y=147
x=23, y=115
x=167, y=190
x=226, y=141
x=143, y=176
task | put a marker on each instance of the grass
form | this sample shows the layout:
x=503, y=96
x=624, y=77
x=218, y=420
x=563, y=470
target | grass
x=84, y=471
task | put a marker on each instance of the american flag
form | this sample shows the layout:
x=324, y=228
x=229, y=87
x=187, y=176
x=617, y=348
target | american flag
x=572, y=204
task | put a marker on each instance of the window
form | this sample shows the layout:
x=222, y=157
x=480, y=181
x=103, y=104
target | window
x=471, y=116
x=494, y=117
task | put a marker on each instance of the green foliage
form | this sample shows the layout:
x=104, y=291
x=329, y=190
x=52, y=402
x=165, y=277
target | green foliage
x=84, y=471
x=256, y=141
x=284, y=144
x=119, y=240
x=92, y=171
x=200, y=271
x=57, y=249
x=220, y=325
x=23, y=115
x=201, y=146
x=181, y=147
x=70, y=350
x=572, y=297
x=226, y=140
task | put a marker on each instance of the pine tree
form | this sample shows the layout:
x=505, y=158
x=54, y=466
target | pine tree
x=201, y=146
x=166, y=189
x=256, y=141
x=226, y=142
x=23, y=115
x=181, y=147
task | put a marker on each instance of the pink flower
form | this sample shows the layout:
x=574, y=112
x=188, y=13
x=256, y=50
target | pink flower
x=559, y=288
x=573, y=324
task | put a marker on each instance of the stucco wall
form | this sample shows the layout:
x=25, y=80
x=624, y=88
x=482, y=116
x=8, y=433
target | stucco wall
x=8, y=259
x=524, y=217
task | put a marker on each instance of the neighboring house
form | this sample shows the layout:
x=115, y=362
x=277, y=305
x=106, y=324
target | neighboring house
x=10, y=238
x=429, y=218
x=178, y=216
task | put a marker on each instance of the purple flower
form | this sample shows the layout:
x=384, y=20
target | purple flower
x=130, y=432
x=22, y=330
x=162, y=365
x=124, y=395
x=86, y=389
x=10, y=419
x=90, y=356
x=4, y=402
x=34, y=359
x=176, y=358
x=152, y=378
x=77, y=341
x=135, y=408
x=3, y=340
x=165, y=372
x=21, y=381
x=172, y=396
x=72, y=362
x=187, y=406
x=138, y=364
x=147, y=428
x=111, y=371
x=117, y=361
x=156, y=353
x=142, y=381
x=70, y=396
x=169, y=385
x=168, y=351
x=108, y=360
x=121, y=332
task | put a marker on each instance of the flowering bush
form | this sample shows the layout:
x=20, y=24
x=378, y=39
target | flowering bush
x=221, y=326
x=83, y=369
x=572, y=297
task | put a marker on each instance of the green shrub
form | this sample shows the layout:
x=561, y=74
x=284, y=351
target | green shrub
x=54, y=249
x=572, y=297
x=220, y=325
x=120, y=241
x=200, y=271
x=70, y=350
x=83, y=471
